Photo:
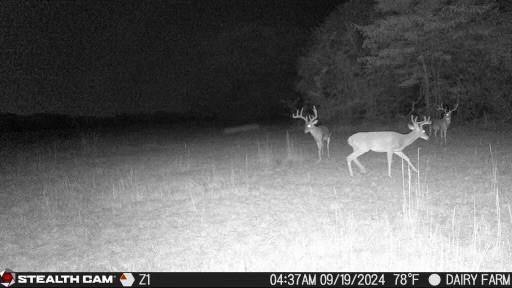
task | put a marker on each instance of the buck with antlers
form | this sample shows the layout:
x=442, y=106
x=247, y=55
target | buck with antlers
x=386, y=141
x=321, y=134
x=443, y=123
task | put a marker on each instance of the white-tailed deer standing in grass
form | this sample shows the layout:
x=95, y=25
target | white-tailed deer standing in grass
x=443, y=123
x=386, y=141
x=321, y=134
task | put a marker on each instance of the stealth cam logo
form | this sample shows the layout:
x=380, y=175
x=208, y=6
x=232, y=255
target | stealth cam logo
x=7, y=278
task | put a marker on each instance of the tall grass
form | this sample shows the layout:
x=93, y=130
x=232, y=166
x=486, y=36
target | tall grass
x=249, y=202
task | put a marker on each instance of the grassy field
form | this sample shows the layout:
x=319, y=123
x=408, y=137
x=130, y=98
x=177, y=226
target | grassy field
x=198, y=200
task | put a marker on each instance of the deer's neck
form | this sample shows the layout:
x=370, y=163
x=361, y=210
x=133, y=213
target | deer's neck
x=409, y=138
x=316, y=132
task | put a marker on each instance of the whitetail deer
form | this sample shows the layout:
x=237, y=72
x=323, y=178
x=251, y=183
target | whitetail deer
x=321, y=134
x=385, y=141
x=443, y=123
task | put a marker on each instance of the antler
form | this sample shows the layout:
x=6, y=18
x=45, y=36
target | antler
x=311, y=118
x=425, y=121
x=413, y=120
x=297, y=115
x=441, y=108
x=456, y=106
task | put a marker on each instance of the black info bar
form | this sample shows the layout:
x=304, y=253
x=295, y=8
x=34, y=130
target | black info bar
x=255, y=279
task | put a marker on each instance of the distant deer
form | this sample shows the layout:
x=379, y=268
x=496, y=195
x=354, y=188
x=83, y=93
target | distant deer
x=444, y=123
x=386, y=141
x=321, y=134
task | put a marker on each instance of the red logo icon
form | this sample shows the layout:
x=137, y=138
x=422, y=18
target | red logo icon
x=7, y=278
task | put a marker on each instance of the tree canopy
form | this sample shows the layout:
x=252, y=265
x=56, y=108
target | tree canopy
x=412, y=54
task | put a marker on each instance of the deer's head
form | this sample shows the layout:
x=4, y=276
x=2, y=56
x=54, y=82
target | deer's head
x=447, y=114
x=417, y=127
x=310, y=121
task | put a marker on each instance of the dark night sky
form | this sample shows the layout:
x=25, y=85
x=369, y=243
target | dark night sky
x=110, y=57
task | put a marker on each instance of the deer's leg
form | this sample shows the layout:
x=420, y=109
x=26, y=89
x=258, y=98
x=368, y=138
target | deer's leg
x=350, y=167
x=353, y=157
x=319, y=145
x=390, y=159
x=328, y=152
x=399, y=153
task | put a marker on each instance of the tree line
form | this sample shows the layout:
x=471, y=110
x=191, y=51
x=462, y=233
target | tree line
x=388, y=58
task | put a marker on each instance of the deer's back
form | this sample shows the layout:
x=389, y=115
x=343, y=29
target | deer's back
x=324, y=129
x=439, y=123
x=381, y=141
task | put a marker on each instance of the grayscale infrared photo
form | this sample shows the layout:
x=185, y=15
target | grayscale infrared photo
x=255, y=136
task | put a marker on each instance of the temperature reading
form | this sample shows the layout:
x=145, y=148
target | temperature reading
x=406, y=279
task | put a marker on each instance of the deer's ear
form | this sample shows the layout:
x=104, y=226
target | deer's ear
x=314, y=122
x=410, y=126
